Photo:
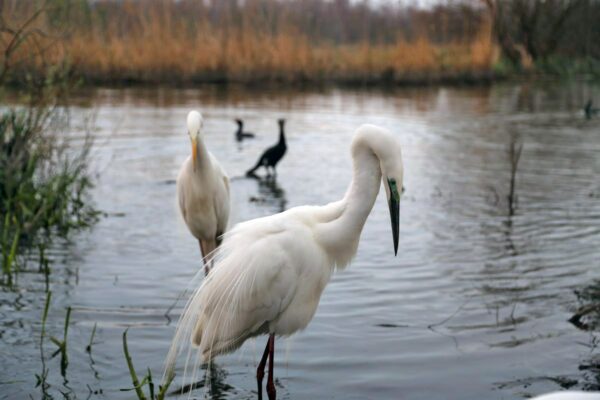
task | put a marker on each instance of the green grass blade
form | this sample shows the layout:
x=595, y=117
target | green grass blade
x=134, y=378
x=150, y=384
x=45, y=315
x=162, y=391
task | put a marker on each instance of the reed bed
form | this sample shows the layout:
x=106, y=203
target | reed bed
x=179, y=42
x=160, y=56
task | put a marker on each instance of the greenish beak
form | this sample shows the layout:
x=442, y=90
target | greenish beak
x=394, y=205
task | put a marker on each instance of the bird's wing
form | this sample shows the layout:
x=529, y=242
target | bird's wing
x=250, y=285
x=221, y=196
x=270, y=152
x=224, y=207
x=181, y=183
x=226, y=183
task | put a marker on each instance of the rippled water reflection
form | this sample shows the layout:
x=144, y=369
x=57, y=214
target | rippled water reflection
x=475, y=305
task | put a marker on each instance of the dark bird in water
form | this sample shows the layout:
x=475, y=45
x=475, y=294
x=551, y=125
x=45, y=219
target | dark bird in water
x=240, y=134
x=273, y=154
x=589, y=110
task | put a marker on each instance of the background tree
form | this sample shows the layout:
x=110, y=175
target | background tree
x=532, y=30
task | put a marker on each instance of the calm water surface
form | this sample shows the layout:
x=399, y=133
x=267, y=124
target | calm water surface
x=475, y=305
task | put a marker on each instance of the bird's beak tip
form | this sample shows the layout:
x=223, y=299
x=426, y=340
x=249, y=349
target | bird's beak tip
x=394, y=206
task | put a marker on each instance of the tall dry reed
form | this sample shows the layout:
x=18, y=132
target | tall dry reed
x=176, y=42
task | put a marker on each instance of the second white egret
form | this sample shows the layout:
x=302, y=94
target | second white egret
x=203, y=192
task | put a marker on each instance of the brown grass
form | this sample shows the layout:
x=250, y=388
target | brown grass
x=152, y=42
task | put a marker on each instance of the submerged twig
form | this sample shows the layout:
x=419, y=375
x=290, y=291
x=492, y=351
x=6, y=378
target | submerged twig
x=88, y=348
x=514, y=153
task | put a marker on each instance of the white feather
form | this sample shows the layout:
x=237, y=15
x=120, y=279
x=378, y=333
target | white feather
x=569, y=396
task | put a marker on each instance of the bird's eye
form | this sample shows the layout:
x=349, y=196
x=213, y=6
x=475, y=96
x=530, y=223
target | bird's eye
x=393, y=189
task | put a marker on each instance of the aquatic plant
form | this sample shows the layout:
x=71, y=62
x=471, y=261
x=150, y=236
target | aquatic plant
x=43, y=185
x=146, y=380
x=62, y=346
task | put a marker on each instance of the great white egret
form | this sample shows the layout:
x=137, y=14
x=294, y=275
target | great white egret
x=203, y=191
x=569, y=396
x=273, y=154
x=240, y=134
x=270, y=272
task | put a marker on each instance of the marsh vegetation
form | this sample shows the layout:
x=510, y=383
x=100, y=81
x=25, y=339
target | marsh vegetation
x=254, y=41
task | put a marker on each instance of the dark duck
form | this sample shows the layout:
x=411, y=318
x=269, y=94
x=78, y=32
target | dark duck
x=589, y=109
x=240, y=134
x=273, y=154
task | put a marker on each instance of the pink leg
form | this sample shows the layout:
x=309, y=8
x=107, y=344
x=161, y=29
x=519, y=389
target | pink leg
x=270, y=384
x=203, y=251
x=260, y=371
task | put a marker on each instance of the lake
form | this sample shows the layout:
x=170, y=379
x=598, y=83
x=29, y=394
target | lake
x=475, y=305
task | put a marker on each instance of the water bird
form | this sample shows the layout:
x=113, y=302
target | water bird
x=569, y=395
x=240, y=134
x=273, y=154
x=589, y=109
x=203, y=191
x=270, y=272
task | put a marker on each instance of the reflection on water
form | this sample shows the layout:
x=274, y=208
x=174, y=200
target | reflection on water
x=217, y=388
x=587, y=316
x=269, y=192
x=500, y=234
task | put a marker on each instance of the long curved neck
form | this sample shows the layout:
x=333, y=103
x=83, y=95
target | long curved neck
x=347, y=217
x=281, y=135
x=362, y=192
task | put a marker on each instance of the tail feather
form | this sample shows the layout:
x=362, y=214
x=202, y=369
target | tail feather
x=213, y=321
x=258, y=164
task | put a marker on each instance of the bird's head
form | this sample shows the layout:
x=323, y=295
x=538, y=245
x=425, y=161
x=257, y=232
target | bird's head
x=238, y=121
x=388, y=150
x=194, y=126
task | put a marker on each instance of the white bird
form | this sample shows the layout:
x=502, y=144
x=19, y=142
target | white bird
x=203, y=192
x=569, y=396
x=270, y=272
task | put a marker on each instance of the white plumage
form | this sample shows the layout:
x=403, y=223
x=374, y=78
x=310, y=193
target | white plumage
x=569, y=396
x=203, y=191
x=270, y=272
